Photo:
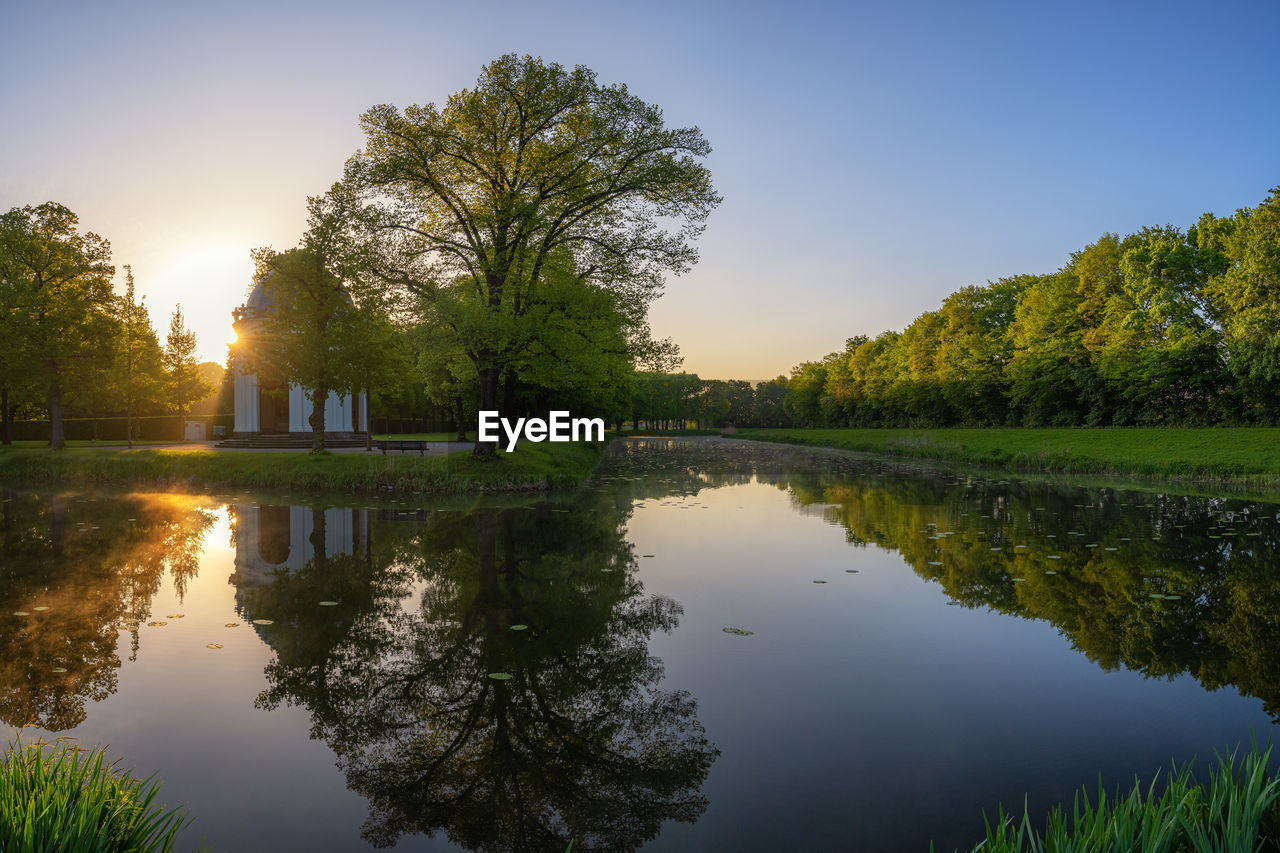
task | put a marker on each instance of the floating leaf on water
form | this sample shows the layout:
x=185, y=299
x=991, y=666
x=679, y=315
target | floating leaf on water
x=263, y=622
x=213, y=645
x=1155, y=595
x=1054, y=556
x=519, y=627
x=174, y=616
x=500, y=676
x=1050, y=572
x=738, y=631
x=156, y=624
x=39, y=609
x=1172, y=597
x=997, y=549
x=59, y=669
x=934, y=563
x=1019, y=580
x=232, y=625
x=850, y=571
x=21, y=613
x=328, y=604
x=1111, y=549
x=819, y=581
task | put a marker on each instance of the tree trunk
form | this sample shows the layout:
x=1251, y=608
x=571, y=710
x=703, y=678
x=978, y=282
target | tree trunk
x=128, y=423
x=6, y=417
x=56, y=439
x=509, y=394
x=488, y=403
x=319, y=397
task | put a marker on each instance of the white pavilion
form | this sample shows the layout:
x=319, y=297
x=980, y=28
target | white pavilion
x=272, y=411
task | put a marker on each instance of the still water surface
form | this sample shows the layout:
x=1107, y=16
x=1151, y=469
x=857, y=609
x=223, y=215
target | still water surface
x=727, y=646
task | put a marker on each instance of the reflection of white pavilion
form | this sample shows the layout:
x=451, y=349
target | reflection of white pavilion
x=262, y=409
x=272, y=539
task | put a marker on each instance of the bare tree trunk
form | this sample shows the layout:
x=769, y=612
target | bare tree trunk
x=319, y=396
x=56, y=439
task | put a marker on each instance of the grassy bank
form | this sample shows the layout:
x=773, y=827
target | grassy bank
x=1235, y=812
x=530, y=467
x=1245, y=456
x=59, y=797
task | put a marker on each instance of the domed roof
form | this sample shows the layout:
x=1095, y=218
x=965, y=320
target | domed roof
x=259, y=300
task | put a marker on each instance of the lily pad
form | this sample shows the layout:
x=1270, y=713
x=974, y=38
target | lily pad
x=213, y=645
x=59, y=669
x=328, y=604
x=174, y=616
x=263, y=622
x=1050, y=572
x=819, y=581
x=500, y=676
x=1053, y=556
x=40, y=609
x=21, y=613
x=1019, y=580
x=850, y=571
x=519, y=627
x=232, y=625
x=156, y=624
x=934, y=563
x=741, y=632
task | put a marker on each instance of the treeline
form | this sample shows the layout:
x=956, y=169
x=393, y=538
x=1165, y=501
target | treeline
x=1165, y=326
x=71, y=344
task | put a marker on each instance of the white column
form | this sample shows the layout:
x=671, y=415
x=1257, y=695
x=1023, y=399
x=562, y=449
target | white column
x=364, y=413
x=246, y=402
x=299, y=409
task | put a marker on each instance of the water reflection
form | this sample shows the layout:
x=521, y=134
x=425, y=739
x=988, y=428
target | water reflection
x=80, y=568
x=580, y=743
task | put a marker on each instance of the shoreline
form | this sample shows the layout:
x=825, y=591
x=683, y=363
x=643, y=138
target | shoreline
x=530, y=468
x=1236, y=457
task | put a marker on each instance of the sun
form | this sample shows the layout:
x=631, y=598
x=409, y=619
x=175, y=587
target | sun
x=209, y=279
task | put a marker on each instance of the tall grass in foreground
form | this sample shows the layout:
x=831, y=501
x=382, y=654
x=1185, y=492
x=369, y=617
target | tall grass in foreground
x=56, y=797
x=1237, y=812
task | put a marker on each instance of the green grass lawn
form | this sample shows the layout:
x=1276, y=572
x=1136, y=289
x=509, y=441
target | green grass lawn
x=530, y=467
x=1245, y=455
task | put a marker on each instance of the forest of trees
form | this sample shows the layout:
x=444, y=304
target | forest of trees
x=72, y=345
x=1164, y=326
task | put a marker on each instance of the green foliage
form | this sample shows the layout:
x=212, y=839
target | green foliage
x=60, y=797
x=56, y=298
x=1223, y=817
x=184, y=383
x=137, y=369
x=1164, y=326
x=522, y=203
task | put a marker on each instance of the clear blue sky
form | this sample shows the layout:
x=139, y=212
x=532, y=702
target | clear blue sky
x=873, y=157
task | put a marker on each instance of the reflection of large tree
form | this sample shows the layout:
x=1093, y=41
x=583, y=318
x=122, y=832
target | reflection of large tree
x=579, y=744
x=94, y=564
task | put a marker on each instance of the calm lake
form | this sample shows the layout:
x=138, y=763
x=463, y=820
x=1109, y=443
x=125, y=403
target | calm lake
x=714, y=645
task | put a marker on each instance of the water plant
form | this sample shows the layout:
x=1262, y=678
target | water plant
x=58, y=796
x=1236, y=812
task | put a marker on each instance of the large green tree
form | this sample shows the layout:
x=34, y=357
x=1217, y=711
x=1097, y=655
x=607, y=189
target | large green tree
x=537, y=162
x=57, y=292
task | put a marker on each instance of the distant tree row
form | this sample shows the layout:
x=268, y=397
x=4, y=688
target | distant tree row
x=69, y=339
x=1165, y=326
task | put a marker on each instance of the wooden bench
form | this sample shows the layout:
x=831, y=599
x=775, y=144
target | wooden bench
x=404, y=446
